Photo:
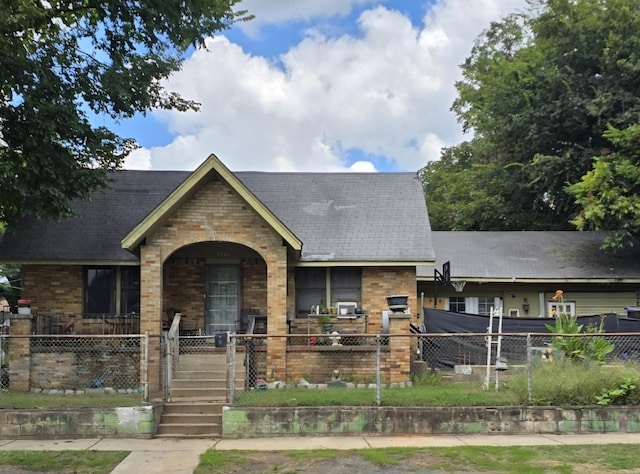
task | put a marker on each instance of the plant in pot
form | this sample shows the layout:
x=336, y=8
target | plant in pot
x=326, y=323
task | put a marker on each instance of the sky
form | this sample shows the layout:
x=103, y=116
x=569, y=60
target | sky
x=320, y=85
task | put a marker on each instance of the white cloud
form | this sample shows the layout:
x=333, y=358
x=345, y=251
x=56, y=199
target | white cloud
x=139, y=159
x=386, y=92
x=282, y=11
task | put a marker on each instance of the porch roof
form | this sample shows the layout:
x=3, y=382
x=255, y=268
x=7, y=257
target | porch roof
x=340, y=218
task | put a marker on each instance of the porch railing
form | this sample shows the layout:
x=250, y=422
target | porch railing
x=86, y=324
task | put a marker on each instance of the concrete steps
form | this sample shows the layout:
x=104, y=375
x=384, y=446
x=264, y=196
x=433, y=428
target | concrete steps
x=191, y=419
x=198, y=393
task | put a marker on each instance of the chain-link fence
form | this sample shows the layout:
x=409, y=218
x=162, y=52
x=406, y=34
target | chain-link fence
x=102, y=370
x=376, y=362
x=240, y=368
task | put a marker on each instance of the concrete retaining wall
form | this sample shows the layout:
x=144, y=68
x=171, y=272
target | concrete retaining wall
x=62, y=423
x=300, y=421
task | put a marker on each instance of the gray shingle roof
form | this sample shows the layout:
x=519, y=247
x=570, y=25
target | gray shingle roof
x=349, y=216
x=338, y=216
x=547, y=255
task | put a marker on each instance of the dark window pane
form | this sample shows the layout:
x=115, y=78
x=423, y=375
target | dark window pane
x=310, y=289
x=130, y=292
x=346, y=283
x=100, y=290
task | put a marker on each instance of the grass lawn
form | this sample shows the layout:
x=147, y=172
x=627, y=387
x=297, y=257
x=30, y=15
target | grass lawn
x=89, y=462
x=27, y=400
x=513, y=459
x=446, y=394
x=516, y=459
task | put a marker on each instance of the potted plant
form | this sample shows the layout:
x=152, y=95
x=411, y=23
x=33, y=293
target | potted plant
x=326, y=323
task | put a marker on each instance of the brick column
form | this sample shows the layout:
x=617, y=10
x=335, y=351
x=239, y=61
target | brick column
x=151, y=308
x=277, y=314
x=20, y=353
x=399, y=347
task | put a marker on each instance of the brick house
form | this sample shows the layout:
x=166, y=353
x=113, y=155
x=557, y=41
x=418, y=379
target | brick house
x=217, y=245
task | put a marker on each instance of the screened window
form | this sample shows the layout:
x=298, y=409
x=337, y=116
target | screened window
x=345, y=284
x=130, y=290
x=317, y=286
x=111, y=290
x=310, y=289
x=100, y=290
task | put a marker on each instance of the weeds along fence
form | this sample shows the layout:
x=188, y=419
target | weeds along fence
x=395, y=362
x=102, y=369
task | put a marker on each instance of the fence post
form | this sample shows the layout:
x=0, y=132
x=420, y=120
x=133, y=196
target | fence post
x=378, y=377
x=529, y=369
x=231, y=367
x=144, y=366
x=19, y=349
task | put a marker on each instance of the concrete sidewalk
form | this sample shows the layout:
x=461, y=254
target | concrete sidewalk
x=181, y=456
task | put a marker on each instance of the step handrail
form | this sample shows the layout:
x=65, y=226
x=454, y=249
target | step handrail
x=172, y=353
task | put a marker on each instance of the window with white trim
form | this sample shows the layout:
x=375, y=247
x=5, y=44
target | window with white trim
x=474, y=304
x=556, y=307
x=457, y=304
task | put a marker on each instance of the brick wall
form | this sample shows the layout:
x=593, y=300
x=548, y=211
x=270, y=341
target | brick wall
x=53, y=289
x=184, y=290
x=215, y=213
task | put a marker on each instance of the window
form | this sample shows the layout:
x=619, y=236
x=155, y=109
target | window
x=555, y=307
x=130, y=290
x=110, y=290
x=345, y=284
x=317, y=286
x=100, y=295
x=310, y=289
x=486, y=303
x=457, y=304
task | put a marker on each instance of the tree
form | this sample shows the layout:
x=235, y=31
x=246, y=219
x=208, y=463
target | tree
x=468, y=190
x=65, y=62
x=538, y=90
x=609, y=193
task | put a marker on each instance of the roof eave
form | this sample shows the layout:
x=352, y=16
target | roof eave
x=362, y=263
x=429, y=278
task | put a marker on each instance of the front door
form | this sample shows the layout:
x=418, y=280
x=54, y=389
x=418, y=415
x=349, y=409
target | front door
x=222, y=309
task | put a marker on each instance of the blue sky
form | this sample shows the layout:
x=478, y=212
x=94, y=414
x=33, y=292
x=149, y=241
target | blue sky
x=321, y=85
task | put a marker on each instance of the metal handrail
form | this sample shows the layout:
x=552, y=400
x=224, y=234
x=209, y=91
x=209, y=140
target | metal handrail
x=172, y=355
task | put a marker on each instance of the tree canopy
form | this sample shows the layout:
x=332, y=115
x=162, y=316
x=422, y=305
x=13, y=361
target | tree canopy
x=539, y=90
x=66, y=62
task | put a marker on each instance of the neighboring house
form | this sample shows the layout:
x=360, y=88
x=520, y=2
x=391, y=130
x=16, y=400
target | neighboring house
x=216, y=245
x=521, y=271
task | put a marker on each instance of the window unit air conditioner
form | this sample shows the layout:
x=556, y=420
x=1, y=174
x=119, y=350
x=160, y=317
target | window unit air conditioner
x=346, y=308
